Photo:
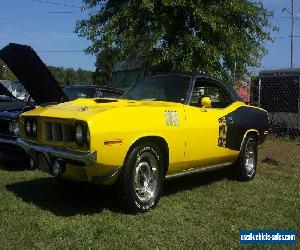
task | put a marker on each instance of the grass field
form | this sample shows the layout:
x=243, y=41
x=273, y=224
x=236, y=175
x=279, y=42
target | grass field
x=200, y=211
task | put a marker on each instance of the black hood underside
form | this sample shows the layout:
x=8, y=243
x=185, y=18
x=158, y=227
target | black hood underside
x=32, y=73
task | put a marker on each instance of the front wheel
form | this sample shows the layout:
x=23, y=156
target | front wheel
x=247, y=160
x=141, y=178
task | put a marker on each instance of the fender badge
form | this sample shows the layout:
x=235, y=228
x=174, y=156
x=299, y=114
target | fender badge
x=84, y=108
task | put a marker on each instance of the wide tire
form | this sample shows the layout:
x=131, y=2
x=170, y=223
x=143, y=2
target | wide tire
x=247, y=161
x=141, y=179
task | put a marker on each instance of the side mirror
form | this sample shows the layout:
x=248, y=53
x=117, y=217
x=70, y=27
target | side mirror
x=206, y=102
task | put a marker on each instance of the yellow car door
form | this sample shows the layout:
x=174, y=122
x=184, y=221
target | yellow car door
x=203, y=124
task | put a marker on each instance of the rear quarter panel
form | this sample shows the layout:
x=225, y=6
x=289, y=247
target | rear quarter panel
x=243, y=120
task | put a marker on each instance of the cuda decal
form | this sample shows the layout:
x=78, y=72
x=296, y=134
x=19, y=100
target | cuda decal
x=172, y=118
x=222, y=132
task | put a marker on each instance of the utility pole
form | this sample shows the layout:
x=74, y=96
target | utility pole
x=292, y=33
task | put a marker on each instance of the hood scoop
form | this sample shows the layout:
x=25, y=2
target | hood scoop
x=101, y=100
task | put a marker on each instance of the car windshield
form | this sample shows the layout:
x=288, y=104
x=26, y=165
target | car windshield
x=171, y=88
x=74, y=92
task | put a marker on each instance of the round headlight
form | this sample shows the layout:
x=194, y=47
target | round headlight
x=88, y=137
x=33, y=128
x=14, y=128
x=28, y=127
x=79, y=135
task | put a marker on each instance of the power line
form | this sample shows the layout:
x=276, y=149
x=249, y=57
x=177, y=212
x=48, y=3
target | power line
x=279, y=37
x=55, y=3
x=60, y=51
x=63, y=12
x=286, y=17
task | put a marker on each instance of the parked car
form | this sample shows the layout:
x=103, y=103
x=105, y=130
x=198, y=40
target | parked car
x=74, y=92
x=10, y=107
x=5, y=94
x=165, y=126
x=42, y=89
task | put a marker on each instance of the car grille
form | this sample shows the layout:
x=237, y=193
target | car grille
x=59, y=132
x=4, y=127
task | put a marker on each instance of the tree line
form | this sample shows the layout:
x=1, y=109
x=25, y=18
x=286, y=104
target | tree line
x=70, y=76
x=64, y=76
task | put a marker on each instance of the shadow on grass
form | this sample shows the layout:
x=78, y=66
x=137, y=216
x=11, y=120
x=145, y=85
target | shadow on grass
x=190, y=182
x=78, y=198
x=65, y=200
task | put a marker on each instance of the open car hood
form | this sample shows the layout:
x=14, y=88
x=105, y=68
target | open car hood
x=32, y=73
x=4, y=91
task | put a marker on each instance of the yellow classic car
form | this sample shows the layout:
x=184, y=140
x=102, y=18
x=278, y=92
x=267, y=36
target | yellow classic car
x=164, y=126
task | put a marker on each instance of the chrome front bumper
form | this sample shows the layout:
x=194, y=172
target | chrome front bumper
x=85, y=158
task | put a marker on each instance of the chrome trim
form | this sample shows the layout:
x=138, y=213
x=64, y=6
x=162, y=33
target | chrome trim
x=199, y=170
x=250, y=157
x=8, y=141
x=87, y=158
x=145, y=177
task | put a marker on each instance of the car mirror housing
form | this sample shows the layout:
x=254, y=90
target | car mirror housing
x=206, y=102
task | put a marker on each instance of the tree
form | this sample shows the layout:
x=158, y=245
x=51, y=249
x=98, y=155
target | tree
x=216, y=37
x=105, y=61
x=62, y=75
x=58, y=73
x=70, y=76
x=5, y=72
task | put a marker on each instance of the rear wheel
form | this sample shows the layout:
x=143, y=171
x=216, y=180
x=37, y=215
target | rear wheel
x=247, y=161
x=142, y=177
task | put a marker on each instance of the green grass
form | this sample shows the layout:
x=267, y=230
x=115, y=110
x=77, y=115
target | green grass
x=201, y=211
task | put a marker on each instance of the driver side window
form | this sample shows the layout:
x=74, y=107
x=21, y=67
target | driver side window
x=220, y=98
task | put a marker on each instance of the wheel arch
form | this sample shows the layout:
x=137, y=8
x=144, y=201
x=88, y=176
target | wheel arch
x=252, y=132
x=157, y=140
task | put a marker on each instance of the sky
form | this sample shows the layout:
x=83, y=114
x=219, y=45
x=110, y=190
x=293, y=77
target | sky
x=279, y=55
x=51, y=34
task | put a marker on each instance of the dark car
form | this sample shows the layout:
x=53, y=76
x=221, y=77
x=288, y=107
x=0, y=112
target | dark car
x=90, y=91
x=5, y=94
x=40, y=85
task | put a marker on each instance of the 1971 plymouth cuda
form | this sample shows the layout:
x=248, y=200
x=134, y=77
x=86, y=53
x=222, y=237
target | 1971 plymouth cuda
x=164, y=126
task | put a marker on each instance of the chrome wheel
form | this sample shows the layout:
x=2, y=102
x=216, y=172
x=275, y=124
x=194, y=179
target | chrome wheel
x=145, y=177
x=250, y=158
x=141, y=178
